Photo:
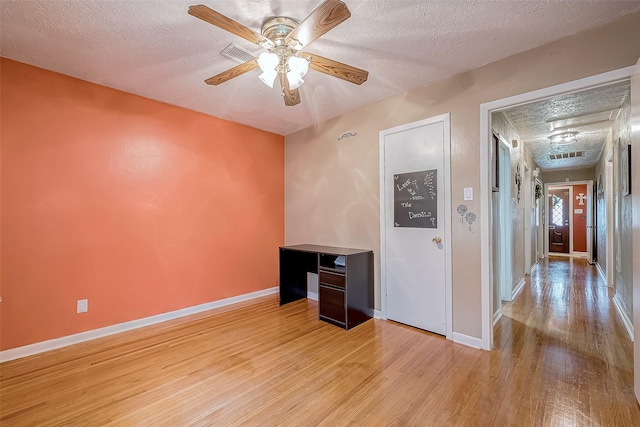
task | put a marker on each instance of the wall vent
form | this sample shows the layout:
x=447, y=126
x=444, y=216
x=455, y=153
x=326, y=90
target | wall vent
x=560, y=156
x=237, y=53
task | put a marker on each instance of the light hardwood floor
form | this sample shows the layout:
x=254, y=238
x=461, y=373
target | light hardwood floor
x=562, y=358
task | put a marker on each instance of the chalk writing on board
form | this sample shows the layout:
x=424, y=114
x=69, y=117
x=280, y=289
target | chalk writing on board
x=415, y=199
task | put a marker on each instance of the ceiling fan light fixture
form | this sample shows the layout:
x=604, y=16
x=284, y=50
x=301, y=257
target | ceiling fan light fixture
x=268, y=61
x=295, y=81
x=563, y=138
x=268, y=77
x=298, y=65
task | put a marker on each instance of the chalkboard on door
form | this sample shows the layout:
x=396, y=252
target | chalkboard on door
x=415, y=199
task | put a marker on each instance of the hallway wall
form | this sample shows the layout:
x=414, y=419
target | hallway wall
x=519, y=156
x=624, y=244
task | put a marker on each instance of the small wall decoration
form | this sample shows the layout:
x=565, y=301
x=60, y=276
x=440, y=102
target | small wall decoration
x=462, y=210
x=518, y=180
x=600, y=188
x=625, y=171
x=471, y=218
x=581, y=198
x=466, y=215
x=538, y=191
x=346, y=135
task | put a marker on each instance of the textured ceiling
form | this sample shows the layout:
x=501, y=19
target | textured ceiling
x=591, y=113
x=156, y=50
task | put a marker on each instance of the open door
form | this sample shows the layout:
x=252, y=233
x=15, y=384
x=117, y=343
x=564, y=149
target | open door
x=591, y=223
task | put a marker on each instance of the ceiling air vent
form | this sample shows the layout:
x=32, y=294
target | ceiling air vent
x=572, y=155
x=237, y=53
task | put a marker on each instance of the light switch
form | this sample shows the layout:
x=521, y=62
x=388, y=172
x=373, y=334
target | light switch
x=468, y=193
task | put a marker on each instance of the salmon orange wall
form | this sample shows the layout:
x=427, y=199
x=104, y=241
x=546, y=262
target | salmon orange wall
x=579, y=219
x=138, y=206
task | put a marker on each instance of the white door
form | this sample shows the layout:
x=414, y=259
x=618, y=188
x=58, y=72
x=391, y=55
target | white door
x=415, y=228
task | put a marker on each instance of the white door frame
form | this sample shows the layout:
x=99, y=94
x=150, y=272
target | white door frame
x=446, y=120
x=569, y=185
x=485, y=188
x=558, y=186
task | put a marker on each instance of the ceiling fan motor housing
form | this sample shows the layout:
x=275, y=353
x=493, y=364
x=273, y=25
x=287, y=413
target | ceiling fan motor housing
x=278, y=28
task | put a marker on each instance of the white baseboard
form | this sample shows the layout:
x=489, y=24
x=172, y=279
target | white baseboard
x=497, y=316
x=40, y=347
x=534, y=267
x=312, y=295
x=467, y=340
x=518, y=289
x=377, y=314
x=602, y=273
x=624, y=317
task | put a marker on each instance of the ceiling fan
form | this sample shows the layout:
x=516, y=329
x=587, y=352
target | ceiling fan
x=284, y=38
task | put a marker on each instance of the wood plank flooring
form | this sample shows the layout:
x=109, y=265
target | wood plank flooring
x=562, y=358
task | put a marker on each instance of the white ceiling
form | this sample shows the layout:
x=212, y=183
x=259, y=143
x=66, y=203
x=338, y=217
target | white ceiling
x=156, y=50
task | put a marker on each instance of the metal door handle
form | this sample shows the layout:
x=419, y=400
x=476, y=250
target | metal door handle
x=437, y=240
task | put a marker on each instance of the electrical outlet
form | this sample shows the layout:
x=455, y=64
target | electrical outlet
x=82, y=306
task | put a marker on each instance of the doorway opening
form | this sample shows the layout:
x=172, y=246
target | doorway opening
x=487, y=202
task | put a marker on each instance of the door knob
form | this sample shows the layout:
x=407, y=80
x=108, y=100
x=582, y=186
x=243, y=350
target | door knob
x=437, y=240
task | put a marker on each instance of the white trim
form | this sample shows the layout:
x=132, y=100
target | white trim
x=40, y=347
x=446, y=120
x=602, y=273
x=485, y=191
x=467, y=340
x=534, y=267
x=377, y=314
x=497, y=316
x=312, y=295
x=519, y=287
x=624, y=317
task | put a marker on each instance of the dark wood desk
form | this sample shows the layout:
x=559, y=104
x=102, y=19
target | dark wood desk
x=345, y=287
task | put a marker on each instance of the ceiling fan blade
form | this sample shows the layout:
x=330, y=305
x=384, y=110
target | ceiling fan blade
x=336, y=69
x=219, y=20
x=326, y=16
x=232, y=72
x=291, y=97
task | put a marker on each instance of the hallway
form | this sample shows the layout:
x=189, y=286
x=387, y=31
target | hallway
x=573, y=356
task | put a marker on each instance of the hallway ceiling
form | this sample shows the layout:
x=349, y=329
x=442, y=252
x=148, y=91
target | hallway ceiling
x=156, y=50
x=590, y=113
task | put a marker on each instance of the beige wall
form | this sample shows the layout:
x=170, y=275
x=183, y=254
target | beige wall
x=332, y=187
x=564, y=175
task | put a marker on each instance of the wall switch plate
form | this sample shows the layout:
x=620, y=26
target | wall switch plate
x=83, y=306
x=468, y=193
